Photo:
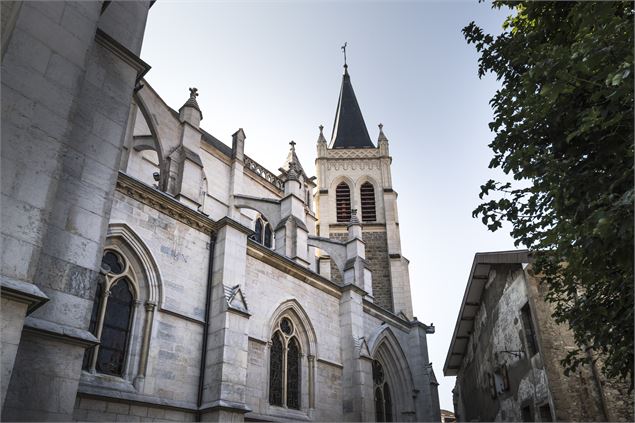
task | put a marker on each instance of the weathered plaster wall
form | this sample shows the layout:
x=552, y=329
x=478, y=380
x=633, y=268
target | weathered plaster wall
x=498, y=340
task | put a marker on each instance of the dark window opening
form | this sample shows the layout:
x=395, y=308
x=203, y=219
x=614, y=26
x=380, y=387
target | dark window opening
x=263, y=234
x=530, y=333
x=367, y=195
x=527, y=415
x=383, y=399
x=343, y=202
x=545, y=413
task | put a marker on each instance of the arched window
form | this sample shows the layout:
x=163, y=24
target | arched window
x=383, y=399
x=284, y=366
x=343, y=202
x=263, y=234
x=367, y=196
x=111, y=318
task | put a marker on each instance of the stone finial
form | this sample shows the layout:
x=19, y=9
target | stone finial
x=189, y=115
x=321, y=139
x=354, y=219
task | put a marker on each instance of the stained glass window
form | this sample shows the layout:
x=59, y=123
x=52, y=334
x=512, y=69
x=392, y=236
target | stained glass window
x=258, y=234
x=293, y=375
x=379, y=405
x=112, y=263
x=275, y=371
x=93, y=324
x=268, y=236
x=383, y=399
x=263, y=234
x=285, y=367
x=114, y=336
x=387, y=403
x=286, y=326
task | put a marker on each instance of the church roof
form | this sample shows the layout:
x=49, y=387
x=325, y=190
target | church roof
x=349, y=129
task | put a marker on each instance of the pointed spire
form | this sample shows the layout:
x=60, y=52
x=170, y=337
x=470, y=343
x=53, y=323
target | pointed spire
x=349, y=129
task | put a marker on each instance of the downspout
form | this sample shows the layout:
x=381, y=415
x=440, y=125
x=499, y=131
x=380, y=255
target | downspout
x=201, y=376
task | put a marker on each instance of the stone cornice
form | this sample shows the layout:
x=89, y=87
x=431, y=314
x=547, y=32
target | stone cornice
x=385, y=315
x=273, y=259
x=122, y=52
x=24, y=292
x=61, y=332
x=164, y=203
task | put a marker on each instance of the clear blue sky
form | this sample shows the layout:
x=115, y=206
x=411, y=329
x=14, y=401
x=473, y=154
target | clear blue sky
x=274, y=69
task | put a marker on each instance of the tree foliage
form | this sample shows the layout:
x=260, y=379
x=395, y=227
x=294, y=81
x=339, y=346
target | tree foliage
x=563, y=125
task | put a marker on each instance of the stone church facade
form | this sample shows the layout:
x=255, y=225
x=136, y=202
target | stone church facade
x=151, y=272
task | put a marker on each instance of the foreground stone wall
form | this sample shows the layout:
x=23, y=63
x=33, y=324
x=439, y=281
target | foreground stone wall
x=586, y=395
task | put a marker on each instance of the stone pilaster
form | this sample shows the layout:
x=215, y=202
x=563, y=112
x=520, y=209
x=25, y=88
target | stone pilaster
x=236, y=184
x=225, y=376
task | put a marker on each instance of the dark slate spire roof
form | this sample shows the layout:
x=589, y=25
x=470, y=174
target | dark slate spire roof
x=349, y=129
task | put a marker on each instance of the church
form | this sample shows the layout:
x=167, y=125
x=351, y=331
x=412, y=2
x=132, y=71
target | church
x=151, y=272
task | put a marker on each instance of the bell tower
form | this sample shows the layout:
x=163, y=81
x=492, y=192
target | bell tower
x=354, y=173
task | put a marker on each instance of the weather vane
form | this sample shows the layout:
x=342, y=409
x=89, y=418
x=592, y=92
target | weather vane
x=344, y=50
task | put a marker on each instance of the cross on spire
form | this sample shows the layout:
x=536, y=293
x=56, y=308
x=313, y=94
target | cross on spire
x=193, y=92
x=292, y=144
x=344, y=50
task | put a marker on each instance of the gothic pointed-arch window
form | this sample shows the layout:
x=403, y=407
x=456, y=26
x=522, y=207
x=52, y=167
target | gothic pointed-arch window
x=263, y=234
x=285, y=366
x=112, y=315
x=383, y=398
x=367, y=197
x=343, y=202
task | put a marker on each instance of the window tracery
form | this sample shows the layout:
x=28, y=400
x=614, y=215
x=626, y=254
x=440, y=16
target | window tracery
x=285, y=366
x=263, y=234
x=383, y=399
x=112, y=316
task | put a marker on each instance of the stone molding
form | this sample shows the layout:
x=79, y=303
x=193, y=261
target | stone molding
x=291, y=268
x=103, y=393
x=164, y=203
x=60, y=332
x=134, y=61
x=386, y=316
x=348, y=164
x=23, y=292
x=330, y=363
x=238, y=407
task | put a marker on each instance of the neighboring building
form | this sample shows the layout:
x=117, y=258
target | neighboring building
x=447, y=416
x=506, y=351
x=151, y=272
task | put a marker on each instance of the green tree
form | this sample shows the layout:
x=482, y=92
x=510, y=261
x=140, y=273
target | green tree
x=563, y=125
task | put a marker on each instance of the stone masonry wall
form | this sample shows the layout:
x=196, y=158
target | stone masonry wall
x=96, y=410
x=576, y=397
x=379, y=262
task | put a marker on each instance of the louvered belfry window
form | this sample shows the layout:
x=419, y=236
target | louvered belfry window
x=343, y=202
x=367, y=195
